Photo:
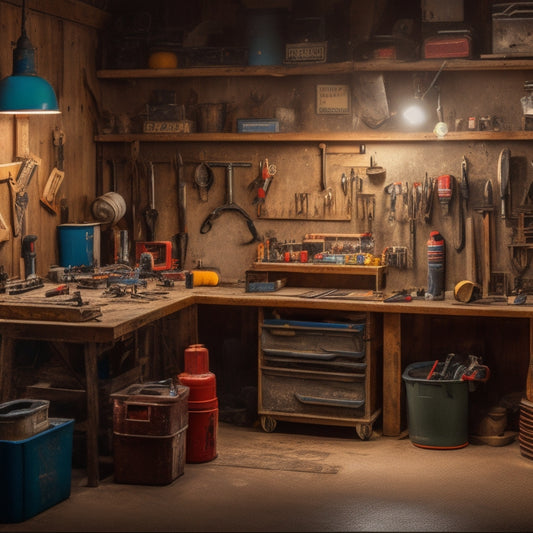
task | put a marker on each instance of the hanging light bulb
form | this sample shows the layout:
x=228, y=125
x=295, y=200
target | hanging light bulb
x=415, y=113
x=24, y=92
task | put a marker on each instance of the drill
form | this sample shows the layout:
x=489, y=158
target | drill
x=29, y=255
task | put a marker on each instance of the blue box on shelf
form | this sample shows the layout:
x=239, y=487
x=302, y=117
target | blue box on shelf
x=36, y=472
x=257, y=125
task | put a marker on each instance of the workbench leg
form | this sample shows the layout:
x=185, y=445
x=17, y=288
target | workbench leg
x=392, y=376
x=529, y=380
x=7, y=347
x=91, y=373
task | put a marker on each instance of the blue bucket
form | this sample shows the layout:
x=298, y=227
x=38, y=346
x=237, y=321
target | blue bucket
x=265, y=37
x=79, y=244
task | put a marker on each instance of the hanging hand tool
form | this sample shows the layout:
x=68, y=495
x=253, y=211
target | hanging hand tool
x=344, y=184
x=428, y=198
x=19, y=192
x=150, y=213
x=229, y=205
x=322, y=147
x=503, y=178
x=48, y=199
x=485, y=211
x=394, y=189
x=413, y=204
x=181, y=239
x=267, y=173
x=463, y=195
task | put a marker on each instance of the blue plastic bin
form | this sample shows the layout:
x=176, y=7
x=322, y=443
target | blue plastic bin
x=36, y=472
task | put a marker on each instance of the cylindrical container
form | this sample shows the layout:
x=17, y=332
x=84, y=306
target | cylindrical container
x=436, y=266
x=211, y=117
x=196, y=359
x=437, y=410
x=265, y=37
x=79, y=244
x=203, y=405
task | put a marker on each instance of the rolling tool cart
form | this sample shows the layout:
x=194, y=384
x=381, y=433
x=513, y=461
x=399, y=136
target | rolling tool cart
x=318, y=371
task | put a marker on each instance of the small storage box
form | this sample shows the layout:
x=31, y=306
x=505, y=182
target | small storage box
x=148, y=460
x=21, y=419
x=512, y=29
x=442, y=47
x=257, y=125
x=149, y=433
x=36, y=472
x=149, y=409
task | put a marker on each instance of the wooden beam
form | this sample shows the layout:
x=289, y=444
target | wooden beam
x=71, y=10
x=392, y=374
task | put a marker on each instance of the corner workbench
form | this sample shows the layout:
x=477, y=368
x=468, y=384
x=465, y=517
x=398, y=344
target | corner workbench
x=120, y=318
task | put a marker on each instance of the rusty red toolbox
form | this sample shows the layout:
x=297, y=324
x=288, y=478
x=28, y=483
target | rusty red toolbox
x=148, y=460
x=150, y=409
x=447, y=46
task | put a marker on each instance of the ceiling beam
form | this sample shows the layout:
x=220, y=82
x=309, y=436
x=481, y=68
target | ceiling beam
x=71, y=10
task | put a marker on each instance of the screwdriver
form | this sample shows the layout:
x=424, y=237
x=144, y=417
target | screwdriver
x=61, y=289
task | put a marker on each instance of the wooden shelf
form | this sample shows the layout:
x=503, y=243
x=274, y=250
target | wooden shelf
x=345, y=67
x=326, y=136
x=338, y=276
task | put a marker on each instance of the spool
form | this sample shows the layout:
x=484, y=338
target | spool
x=109, y=208
x=204, y=277
x=203, y=405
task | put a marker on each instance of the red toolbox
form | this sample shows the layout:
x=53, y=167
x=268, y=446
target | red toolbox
x=447, y=46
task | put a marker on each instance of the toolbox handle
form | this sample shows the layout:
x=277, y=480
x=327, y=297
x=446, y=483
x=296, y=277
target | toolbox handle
x=138, y=412
x=336, y=402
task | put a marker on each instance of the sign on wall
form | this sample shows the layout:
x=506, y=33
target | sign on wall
x=332, y=99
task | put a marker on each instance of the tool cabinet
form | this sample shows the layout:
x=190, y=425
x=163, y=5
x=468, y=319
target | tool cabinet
x=319, y=369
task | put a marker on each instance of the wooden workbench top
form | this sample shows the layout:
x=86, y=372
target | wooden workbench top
x=122, y=315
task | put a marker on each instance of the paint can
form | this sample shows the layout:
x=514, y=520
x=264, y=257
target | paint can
x=79, y=244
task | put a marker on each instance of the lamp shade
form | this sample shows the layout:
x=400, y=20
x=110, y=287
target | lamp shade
x=24, y=92
x=27, y=94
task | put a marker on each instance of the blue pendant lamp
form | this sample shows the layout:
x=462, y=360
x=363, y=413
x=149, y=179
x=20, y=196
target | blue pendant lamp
x=25, y=93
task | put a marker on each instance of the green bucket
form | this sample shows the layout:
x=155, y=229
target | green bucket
x=437, y=410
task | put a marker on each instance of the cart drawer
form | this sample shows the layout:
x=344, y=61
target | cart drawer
x=313, y=340
x=335, y=395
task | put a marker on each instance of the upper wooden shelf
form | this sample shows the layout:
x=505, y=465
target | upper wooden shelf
x=345, y=67
x=326, y=136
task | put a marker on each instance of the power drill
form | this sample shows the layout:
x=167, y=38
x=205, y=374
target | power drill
x=29, y=255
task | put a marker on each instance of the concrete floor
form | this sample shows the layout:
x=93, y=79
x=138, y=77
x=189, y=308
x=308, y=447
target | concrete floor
x=312, y=478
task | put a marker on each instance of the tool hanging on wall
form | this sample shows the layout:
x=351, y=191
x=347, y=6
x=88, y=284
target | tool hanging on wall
x=462, y=195
x=267, y=173
x=203, y=179
x=229, y=205
x=150, y=212
x=19, y=192
x=181, y=239
x=503, y=179
x=394, y=189
x=444, y=192
x=415, y=195
x=428, y=193
x=48, y=198
x=486, y=211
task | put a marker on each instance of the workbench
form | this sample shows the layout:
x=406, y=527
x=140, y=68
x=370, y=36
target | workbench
x=122, y=318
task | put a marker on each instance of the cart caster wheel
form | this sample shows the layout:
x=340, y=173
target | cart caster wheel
x=268, y=423
x=364, y=431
